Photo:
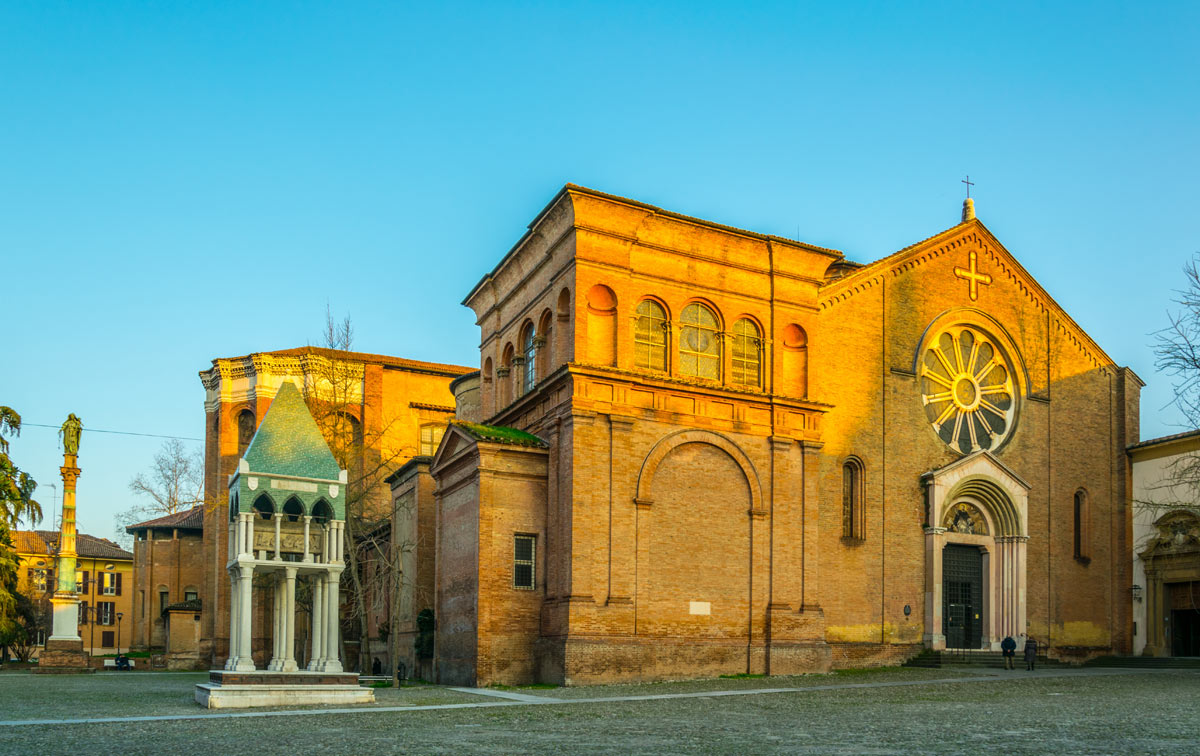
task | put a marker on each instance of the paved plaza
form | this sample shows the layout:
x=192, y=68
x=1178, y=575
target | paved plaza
x=887, y=711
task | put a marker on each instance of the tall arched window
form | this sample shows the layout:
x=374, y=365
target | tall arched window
x=746, y=366
x=544, y=341
x=245, y=423
x=1082, y=519
x=699, y=343
x=529, y=349
x=853, y=512
x=650, y=336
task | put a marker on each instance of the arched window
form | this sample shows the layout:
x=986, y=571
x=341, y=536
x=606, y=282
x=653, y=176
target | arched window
x=245, y=425
x=545, y=345
x=322, y=513
x=650, y=336
x=529, y=349
x=853, y=511
x=293, y=510
x=746, y=366
x=264, y=507
x=699, y=343
x=348, y=436
x=504, y=375
x=1082, y=519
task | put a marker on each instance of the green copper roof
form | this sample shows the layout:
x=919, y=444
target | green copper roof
x=288, y=441
x=499, y=434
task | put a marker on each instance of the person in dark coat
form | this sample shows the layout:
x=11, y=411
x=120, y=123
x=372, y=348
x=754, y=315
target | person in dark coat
x=1030, y=653
x=1009, y=647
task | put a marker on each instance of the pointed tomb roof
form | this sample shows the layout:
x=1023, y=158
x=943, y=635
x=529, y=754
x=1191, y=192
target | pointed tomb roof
x=289, y=443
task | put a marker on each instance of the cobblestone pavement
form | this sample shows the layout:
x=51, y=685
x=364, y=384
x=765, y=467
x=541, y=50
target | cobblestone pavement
x=891, y=711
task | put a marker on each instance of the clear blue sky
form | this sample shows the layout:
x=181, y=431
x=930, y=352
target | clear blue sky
x=182, y=181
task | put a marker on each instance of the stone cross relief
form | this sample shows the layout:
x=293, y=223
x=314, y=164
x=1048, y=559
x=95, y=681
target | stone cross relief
x=973, y=276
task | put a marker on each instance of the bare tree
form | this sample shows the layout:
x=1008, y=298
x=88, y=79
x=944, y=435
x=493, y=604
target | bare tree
x=174, y=483
x=335, y=394
x=1177, y=355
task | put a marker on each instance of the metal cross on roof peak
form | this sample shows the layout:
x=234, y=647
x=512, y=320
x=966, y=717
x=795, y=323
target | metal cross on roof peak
x=969, y=184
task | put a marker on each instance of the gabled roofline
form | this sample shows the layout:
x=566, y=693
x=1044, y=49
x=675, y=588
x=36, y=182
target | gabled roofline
x=969, y=458
x=889, y=262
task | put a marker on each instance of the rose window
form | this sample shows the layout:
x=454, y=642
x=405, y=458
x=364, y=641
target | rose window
x=967, y=389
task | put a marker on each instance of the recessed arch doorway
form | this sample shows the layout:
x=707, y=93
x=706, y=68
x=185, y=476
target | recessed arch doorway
x=975, y=547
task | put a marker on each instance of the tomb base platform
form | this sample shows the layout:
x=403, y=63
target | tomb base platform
x=244, y=690
x=63, y=657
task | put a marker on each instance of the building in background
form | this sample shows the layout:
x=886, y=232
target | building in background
x=379, y=410
x=168, y=571
x=104, y=576
x=1166, y=546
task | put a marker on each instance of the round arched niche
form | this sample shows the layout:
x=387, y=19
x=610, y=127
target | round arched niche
x=669, y=443
x=795, y=360
x=601, y=326
x=701, y=498
x=601, y=299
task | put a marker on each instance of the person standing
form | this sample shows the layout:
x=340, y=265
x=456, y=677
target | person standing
x=1031, y=648
x=1009, y=647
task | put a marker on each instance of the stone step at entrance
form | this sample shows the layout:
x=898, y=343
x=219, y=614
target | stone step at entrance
x=972, y=658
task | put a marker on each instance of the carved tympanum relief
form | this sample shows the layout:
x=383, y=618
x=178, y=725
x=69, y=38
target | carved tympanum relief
x=967, y=389
x=964, y=518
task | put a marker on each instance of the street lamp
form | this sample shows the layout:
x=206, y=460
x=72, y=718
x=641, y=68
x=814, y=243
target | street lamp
x=119, y=616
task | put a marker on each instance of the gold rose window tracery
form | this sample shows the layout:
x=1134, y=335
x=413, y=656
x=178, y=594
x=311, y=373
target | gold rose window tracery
x=967, y=389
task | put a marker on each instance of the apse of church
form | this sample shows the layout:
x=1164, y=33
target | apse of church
x=757, y=456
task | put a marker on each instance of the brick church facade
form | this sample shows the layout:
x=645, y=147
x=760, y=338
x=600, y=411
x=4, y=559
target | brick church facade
x=707, y=451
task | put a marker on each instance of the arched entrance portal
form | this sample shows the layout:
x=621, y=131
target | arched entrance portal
x=975, y=542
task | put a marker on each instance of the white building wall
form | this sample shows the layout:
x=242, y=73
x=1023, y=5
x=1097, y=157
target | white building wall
x=1153, y=496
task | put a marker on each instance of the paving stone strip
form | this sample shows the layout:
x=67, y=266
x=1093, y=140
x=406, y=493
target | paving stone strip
x=521, y=699
x=508, y=694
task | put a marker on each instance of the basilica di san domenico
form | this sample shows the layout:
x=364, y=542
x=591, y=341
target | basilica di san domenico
x=690, y=450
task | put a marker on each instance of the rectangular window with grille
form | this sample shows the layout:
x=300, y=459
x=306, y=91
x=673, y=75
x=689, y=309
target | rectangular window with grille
x=524, y=554
x=107, y=639
x=431, y=437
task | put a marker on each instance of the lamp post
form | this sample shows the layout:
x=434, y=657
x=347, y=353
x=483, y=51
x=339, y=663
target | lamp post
x=119, y=616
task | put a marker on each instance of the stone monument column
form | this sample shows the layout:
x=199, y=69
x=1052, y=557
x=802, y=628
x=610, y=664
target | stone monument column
x=64, y=647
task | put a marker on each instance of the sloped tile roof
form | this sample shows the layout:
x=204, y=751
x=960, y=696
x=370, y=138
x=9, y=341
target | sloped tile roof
x=188, y=519
x=46, y=542
x=288, y=441
x=499, y=434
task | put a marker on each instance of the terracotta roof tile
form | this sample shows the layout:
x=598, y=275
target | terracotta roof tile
x=188, y=519
x=46, y=542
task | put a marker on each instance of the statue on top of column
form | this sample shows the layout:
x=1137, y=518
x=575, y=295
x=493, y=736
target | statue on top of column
x=69, y=433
